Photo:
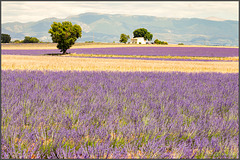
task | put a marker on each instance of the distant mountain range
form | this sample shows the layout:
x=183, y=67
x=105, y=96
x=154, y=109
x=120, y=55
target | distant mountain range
x=108, y=27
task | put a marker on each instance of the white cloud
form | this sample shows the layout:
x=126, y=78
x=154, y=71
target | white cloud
x=33, y=11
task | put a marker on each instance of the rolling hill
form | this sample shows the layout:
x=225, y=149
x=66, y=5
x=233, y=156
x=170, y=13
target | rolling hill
x=108, y=27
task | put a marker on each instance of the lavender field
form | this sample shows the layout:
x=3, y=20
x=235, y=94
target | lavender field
x=148, y=51
x=50, y=115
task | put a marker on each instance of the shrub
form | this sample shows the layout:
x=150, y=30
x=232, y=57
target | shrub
x=17, y=41
x=28, y=39
x=165, y=43
x=160, y=42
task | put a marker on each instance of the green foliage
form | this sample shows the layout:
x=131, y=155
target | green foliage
x=160, y=42
x=124, y=38
x=165, y=43
x=17, y=41
x=28, y=39
x=180, y=44
x=65, y=34
x=142, y=32
x=5, y=38
x=157, y=41
x=34, y=40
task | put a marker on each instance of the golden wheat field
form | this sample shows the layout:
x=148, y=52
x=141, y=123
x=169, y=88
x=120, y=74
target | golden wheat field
x=163, y=57
x=54, y=63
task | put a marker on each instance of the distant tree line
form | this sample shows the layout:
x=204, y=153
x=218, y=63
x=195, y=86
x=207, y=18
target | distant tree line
x=5, y=38
x=27, y=39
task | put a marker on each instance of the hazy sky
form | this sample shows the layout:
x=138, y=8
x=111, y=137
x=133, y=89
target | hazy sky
x=34, y=11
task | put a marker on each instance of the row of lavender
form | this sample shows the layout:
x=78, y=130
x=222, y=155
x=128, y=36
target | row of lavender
x=148, y=51
x=114, y=114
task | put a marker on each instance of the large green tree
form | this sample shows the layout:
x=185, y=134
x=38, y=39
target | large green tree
x=142, y=32
x=65, y=34
x=124, y=38
x=5, y=38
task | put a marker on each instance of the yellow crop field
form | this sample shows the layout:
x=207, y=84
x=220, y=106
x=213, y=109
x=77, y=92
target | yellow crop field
x=19, y=62
x=163, y=57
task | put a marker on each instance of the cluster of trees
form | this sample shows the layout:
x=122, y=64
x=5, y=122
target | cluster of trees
x=5, y=38
x=160, y=42
x=28, y=39
x=65, y=34
x=141, y=32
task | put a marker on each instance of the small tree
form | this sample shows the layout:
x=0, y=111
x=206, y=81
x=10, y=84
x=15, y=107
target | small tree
x=124, y=38
x=142, y=32
x=165, y=43
x=65, y=34
x=5, y=38
x=17, y=41
x=34, y=40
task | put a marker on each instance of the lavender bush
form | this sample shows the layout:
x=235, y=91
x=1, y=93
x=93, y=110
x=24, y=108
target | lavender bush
x=50, y=115
x=150, y=51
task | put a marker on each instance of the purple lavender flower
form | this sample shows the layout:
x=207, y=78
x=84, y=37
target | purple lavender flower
x=117, y=114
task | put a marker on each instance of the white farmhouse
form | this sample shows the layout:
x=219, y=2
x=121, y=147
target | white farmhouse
x=138, y=40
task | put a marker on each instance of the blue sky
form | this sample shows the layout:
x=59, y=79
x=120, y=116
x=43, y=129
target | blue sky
x=23, y=11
